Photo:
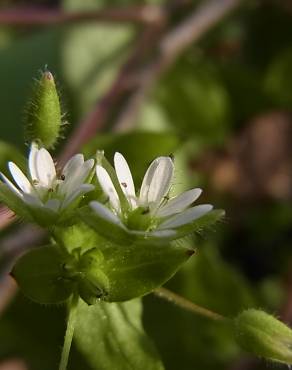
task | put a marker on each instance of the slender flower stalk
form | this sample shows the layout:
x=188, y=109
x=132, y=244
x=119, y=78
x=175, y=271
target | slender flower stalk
x=150, y=213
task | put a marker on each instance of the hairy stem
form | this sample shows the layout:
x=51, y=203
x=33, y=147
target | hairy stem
x=187, y=305
x=69, y=333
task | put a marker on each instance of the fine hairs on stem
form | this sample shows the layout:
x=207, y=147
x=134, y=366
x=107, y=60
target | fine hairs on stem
x=187, y=305
x=69, y=332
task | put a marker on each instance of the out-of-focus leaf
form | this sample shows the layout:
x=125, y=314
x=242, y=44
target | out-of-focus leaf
x=278, y=80
x=111, y=336
x=17, y=68
x=195, y=100
x=9, y=152
x=91, y=56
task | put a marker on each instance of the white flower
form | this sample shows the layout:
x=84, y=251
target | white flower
x=151, y=213
x=43, y=188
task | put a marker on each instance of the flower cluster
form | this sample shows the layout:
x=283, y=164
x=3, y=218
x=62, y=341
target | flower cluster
x=43, y=188
x=149, y=214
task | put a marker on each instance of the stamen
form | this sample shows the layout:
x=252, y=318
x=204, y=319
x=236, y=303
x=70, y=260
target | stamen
x=124, y=184
x=62, y=177
x=35, y=182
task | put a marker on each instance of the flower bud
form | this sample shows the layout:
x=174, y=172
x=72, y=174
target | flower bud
x=44, y=117
x=265, y=336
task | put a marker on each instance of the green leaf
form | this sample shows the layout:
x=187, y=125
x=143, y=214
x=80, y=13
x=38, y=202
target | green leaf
x=126, y=272
x=41, y=276
x=111, y=336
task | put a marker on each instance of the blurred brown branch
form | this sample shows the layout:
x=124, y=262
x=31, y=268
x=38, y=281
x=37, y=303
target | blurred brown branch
x=41, y=17
x=13, y=364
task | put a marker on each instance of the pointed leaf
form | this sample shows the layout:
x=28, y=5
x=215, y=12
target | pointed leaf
x=111, y=336
x=135, y=270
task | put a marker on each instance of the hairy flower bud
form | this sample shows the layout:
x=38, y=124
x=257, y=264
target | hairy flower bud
x=44, y=117
x=265, y=336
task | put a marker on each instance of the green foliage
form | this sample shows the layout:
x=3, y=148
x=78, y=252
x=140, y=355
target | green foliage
x=44, y=116
x=262, y=334
x=16, y=70
x=111, y=336
x=195, y=100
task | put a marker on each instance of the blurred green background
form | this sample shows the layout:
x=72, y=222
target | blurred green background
x=224, y=108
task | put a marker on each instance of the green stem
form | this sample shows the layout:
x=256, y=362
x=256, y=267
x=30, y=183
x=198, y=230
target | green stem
x=187, y=305
x=69, y=332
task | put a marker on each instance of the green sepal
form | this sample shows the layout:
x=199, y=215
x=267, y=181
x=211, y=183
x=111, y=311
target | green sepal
x=135, y=270
x=13, y=201
x=44, y=116
x=106, y=228
x=41, y=276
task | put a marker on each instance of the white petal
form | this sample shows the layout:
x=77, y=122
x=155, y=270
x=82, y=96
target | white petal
x=19, y=177
x=143, y=198
x=32, y=161
x=161, y=180
x=186, y=217
x=179, y=203
x=83, y=189
x=75, y=175
x=10, y=185
x=105, y=213
x=108, y=187
x=73, y=164
x=45, y=167
x=125, y=178
x=53, y=204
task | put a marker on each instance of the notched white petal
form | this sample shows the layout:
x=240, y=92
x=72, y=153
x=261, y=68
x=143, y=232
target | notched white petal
x=186, y=217
x=73, y=164
x=161, y=180
x=32, y=161
x=143, y=198
x=179, y=203
x=19, y=177
x=45, y=168
x=108, y=187
x=125, y=178
x=106, y=214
